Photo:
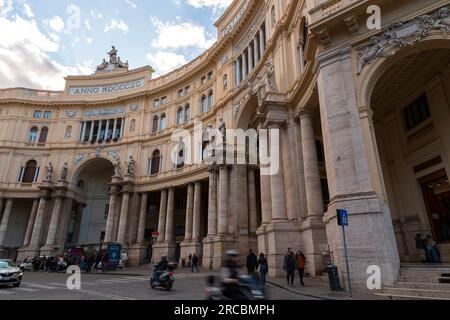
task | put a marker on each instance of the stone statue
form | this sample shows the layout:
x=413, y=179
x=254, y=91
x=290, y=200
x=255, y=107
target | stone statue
x=64, y=172
x=49, y=172
x=117, y=172
x=373, y=50
x=113, y=55
x=223, y=130
x=443, y=22
x=225, y=82
x=270, y=77
x=250, y=87
x=130, y=164
x=261, y=91
x=103, y=66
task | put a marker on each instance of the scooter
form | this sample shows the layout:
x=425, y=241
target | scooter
x=165, y=280
x=247, y=288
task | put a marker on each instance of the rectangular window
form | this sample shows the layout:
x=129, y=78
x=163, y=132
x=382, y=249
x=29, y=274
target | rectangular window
x=37, y=114
x=163, y=100
x=203, y=81
x=156, y=103
x=180, y=93
x=47, y=114
x=210, y=75
x=186, y=90
x=417, y=112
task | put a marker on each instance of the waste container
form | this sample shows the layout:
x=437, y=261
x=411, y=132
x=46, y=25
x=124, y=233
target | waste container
x=333, y=276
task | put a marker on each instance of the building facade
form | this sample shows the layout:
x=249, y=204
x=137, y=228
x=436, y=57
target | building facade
x=363, y=118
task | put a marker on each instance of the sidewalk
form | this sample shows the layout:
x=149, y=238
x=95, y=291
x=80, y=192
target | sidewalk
x=318, y=288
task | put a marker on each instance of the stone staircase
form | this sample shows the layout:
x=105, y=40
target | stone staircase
x=420, y=282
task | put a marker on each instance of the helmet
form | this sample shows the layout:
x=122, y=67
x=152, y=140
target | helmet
x=232, y=253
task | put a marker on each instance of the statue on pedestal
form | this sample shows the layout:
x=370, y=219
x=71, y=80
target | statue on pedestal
x=130, y=164
x=48, y=172
x=117, y=172
x=64, y=172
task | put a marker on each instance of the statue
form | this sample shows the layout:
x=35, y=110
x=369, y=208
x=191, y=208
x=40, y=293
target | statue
x=261, y=91
x=443, y=22
x=223, y=130
x=130, y=164
x=270, y=77
x=117, y=172
x=113, y=55
x=373, y=50
x=64, y=172
x=250, y=87
x=49, y=172
x=103, y=66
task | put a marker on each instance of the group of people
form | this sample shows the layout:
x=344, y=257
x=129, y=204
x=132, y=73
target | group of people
x=193, y=262
x=432, y=254
x=292, y=263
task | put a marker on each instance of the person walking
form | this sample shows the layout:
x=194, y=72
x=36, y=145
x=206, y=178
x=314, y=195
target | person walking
x=301, y=262
x=195, y=263
x=190, y=261
x=263, y=267
x=252, y=262
x=432, y=252
x=290, y=266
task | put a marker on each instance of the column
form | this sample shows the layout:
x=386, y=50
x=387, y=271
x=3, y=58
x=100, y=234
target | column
x=37, y=230
x=197, y=212
x=238, y=71
x=301, y=55
x=212, y=204
x=114, y=128
x=189, y=213
x=122, y=126
x=250, y=57
x=107, y=129
x=262, y=45
x=31, y=221
x=99, y=130
x=91, y=134
x=223, y=200
x=83, y=131
x=255, y=50
x=5, y=221
x=266, y=199
x=54, y=222
x=121, y=236
x=162, y=216
x=278, y=196
x=170, y=216
x=244, y=65
x=1, y=206
x=252, y=209
x=111, y=214
x=142, y=218
x=313, y=185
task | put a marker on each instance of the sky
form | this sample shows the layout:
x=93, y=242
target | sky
x=42, y=41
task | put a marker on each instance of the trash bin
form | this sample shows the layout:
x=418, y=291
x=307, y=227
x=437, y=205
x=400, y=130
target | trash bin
x=333, y=276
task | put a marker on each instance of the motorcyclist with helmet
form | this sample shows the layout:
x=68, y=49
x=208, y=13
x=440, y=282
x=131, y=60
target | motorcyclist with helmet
x=160, y=268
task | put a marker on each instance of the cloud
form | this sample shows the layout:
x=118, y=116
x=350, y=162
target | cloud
x=182, y=35
x=215, y=4
x=56, y=24
x=131, y=4
x=165, y=61
x=25, y=57
x=116, y=25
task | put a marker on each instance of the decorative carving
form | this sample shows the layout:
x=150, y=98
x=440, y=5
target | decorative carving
x=134, y=107
x=79, y=157
x=324, y=37
x=261, y=91
x=48, y=172
x=223, y=129
x=64, y=172
x=71, y=113
x=104, y=112
x=270, y=77
x=403, y=34
x=114, y=62
x=114, y=154
x=130, y=164
x=352, y=24
x=250, y=34
x=236, y=18
x=117, y=169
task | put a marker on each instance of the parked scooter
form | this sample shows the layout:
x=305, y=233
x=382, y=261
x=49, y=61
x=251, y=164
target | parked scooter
x=166, y=278
x=247, y=288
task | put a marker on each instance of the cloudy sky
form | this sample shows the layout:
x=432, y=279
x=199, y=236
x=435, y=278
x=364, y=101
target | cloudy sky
x=44, y=40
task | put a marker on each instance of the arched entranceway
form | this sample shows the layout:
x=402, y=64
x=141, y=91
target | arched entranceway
x=91, y=182
x=411, y=115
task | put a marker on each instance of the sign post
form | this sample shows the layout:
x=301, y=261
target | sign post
x=342, y=216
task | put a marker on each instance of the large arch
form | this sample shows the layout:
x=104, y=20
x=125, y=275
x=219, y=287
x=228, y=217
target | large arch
x=407, y=94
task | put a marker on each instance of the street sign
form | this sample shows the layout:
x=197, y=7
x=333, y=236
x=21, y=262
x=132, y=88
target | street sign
x=155, y=234
x=342, y=216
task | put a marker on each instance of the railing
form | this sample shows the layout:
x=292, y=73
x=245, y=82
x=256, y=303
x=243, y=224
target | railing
x=40, y=95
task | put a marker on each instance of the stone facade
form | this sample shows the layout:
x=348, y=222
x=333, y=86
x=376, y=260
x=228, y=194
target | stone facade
x=93, y=163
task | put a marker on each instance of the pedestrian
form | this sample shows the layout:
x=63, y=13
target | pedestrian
x=47, y=264
x=263, y=266
x=195, y=263
x=301, y=262
x=432, y=252
x=290, y=266
x=420, y=245
x=252, y=261
x=190, y=261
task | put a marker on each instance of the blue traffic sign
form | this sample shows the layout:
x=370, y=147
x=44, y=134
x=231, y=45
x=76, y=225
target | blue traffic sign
x=342, y=216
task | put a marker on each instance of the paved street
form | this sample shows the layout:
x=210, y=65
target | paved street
x=51, y=286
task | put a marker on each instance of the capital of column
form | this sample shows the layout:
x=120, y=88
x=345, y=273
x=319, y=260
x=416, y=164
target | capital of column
x=305, y=114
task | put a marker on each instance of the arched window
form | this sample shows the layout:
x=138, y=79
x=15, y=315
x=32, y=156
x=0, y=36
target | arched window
x=163, y=122
x=43, y=136
x=30, y=172
x=180, y=116
x=32, y=136
x=181, y=159
x=203, y=104
x=68, y=132
x=210, y=100
x=155, y=163
x=155, y=124
x=187, y=113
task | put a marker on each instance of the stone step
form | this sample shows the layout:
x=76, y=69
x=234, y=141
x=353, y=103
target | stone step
x=423, y=285
x=435, y=294
x=428, y=273
x=426, y=266
x=405, y=297
x=419, y=279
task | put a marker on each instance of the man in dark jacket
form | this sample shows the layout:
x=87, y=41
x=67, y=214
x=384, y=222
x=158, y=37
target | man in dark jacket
x=252, y=261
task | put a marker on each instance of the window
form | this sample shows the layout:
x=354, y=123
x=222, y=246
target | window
x=43, y=136
x=47, y=114
x=155, y=124
x=187, y=113
x=32, y=136
x=156, y=103
x=180, y=116
x=203, y=80
x=163, y=100
x=37, y=114
x=155, y=163
x=31, y=172
x=186, y=90
x=163, y=123
x=417, y=112
x=210, y=100
x=68, y=132
x=180, y=93
x=210, y=75
x=203, y=104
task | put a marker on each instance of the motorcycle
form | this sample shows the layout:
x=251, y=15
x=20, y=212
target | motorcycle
x=165, y=280
x=246, y=288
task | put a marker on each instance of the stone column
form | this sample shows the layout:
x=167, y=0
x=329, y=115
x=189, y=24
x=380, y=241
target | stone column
x=31, y=221
x=77, y=224
x=54, y=222
x=114, y=128
x=262, y=44
x=99, y=130
x=137, y=252
x=109, y=233
x=266, y=213
x=170, y=217
x=197, y=212
x=351, y=178
x=123, y=223
x=162, y=216
x=107, y=129
x=189, y=213
x=252, y=209
x=255, y=51
x=250, y=57
x=142, y=219
x=188, y=245
x=4, y=224
x=91, y=133
x=1, y=206
x=223, y=200
x=208, y=242
x=238, y=71
x=244, y=65
x=35, y=242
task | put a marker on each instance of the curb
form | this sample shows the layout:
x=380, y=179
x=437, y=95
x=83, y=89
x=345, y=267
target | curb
x=298, y=293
